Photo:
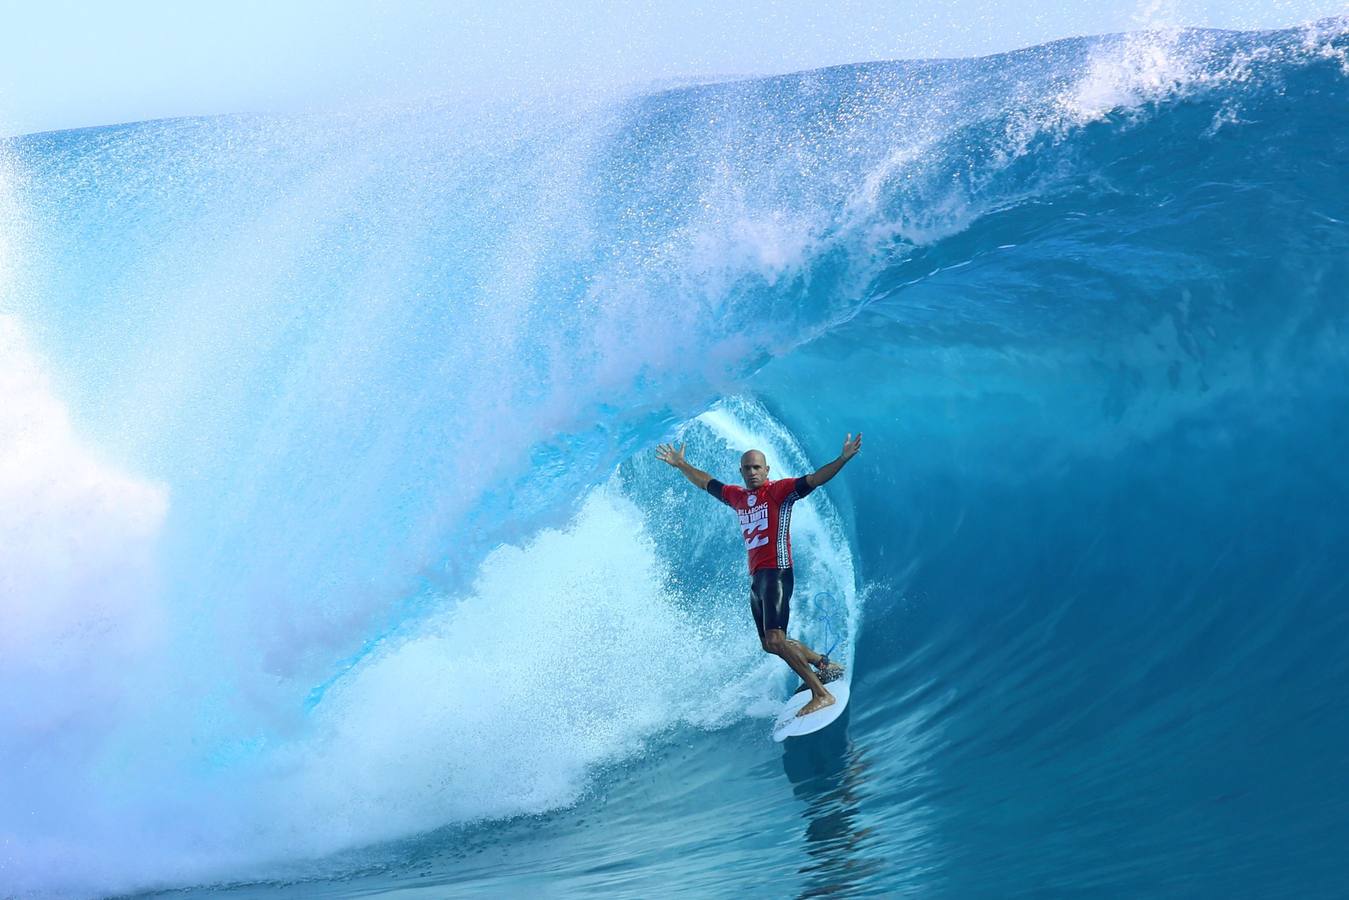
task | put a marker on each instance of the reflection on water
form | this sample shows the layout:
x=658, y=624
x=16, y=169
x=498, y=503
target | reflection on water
x=828, y=772
x=868, y=798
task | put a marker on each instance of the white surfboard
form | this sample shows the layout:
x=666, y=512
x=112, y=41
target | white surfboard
x=789, y=724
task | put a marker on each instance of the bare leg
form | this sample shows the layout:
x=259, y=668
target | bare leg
x=826, y=673
x=775, y=642
x=810, y=655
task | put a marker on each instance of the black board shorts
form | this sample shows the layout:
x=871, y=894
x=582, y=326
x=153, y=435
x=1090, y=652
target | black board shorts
x=770, y=599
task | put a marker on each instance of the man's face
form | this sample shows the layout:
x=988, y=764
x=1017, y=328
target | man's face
x=754, y=469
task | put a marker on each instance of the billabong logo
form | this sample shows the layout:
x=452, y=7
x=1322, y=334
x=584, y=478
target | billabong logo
x=754, y=522
x=752, y=499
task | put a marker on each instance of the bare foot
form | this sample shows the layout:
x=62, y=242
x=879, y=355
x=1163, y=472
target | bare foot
x=816, y=704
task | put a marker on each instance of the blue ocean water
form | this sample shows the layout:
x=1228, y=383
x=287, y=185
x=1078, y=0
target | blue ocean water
x=336, y=560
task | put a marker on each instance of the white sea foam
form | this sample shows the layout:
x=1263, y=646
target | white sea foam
x=11, y=228
x=77, y=536
x=1325, y=40
x=79, y=603
x=568, y=652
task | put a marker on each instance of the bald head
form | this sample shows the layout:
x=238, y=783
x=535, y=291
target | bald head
x=754, y=469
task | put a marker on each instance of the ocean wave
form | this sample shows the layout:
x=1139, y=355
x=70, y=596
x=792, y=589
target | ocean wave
x=365, y=407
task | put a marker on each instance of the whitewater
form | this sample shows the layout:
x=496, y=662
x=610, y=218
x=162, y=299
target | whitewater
x=335, y=558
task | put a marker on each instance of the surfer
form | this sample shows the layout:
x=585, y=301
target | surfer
x=765, y=510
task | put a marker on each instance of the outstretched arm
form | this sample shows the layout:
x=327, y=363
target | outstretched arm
x=850, y=447
x=667, y=453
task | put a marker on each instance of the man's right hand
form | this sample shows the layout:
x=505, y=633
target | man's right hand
x=668, y=453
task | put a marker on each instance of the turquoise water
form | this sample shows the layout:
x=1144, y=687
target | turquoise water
x=338, y=562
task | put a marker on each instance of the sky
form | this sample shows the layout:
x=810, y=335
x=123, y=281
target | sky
x=67, y=64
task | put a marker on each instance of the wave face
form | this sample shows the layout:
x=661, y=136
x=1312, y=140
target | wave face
x=334, y=550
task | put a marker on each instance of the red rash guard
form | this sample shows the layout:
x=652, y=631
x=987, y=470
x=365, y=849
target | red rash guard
x=765, y=518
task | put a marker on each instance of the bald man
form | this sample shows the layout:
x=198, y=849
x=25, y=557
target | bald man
x=765, y=510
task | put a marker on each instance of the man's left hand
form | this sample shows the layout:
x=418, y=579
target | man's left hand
x=851, y=445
